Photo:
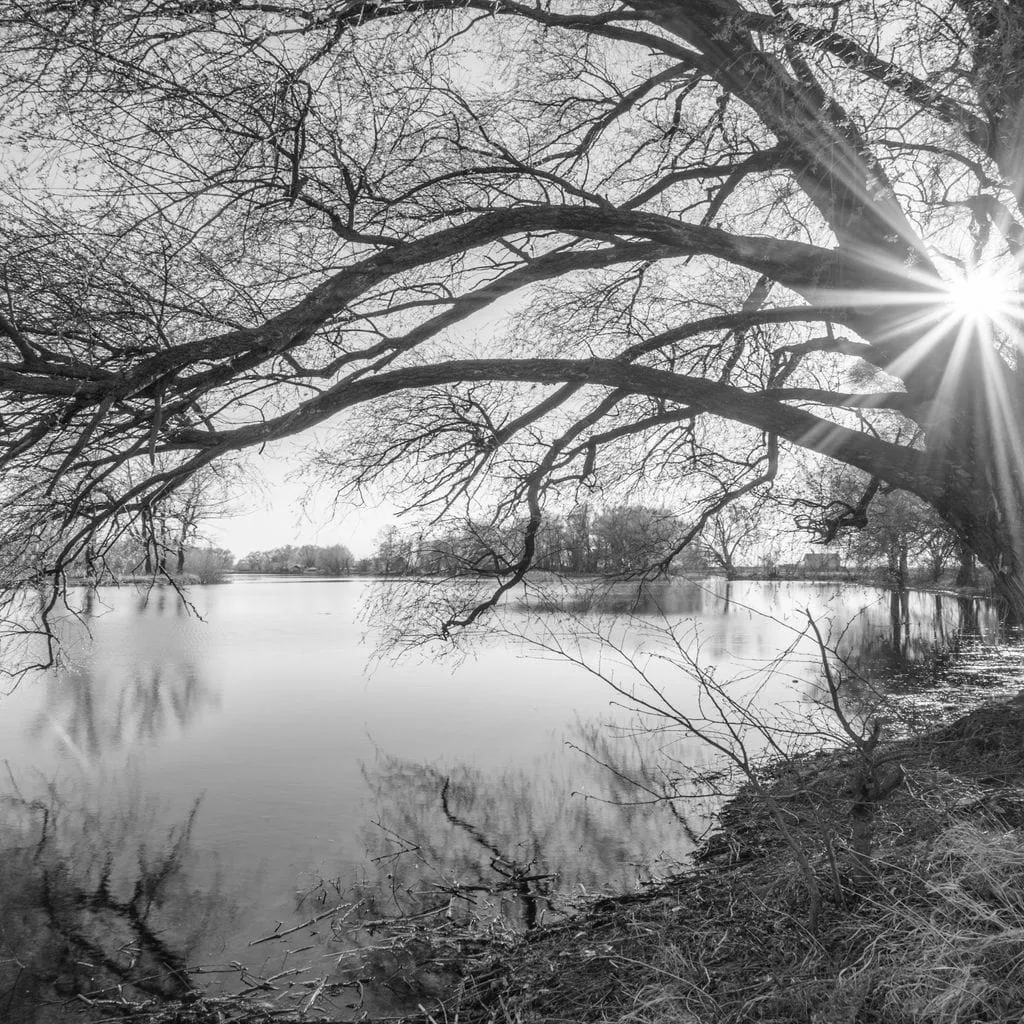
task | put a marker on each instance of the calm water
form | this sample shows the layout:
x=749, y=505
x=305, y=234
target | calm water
x=226, y=775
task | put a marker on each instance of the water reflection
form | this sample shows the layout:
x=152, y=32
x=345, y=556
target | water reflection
x=111, y=697
x=518, y=834
x=480, y=803
x=644, y=598
x=462, y=850
x=748, y=673
x=95, y=713
x=97, y=900
x=921, y=637
x=886, y=632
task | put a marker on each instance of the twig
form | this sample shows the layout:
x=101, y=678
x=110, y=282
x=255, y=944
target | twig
x=305, y=924
x=314, y=996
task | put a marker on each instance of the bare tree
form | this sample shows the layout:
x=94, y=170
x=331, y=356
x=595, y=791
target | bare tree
x=202, y=497
x=229, y=223
x=629, y=538
x=883, y=523
x=728, y=533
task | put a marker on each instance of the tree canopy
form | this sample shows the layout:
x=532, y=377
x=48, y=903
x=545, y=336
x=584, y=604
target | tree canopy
x=513, y=250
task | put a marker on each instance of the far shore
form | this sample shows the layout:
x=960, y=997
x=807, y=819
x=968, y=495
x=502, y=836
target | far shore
x=874, y=577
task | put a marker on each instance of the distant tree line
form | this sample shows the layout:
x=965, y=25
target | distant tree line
x=615, y=540
x=329, y=560
x=898, y=533
x=621, y=539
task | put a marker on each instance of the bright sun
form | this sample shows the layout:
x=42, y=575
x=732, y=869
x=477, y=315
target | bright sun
x=978, y=297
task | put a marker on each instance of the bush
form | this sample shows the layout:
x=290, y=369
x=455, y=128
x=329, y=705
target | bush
x=208, y=565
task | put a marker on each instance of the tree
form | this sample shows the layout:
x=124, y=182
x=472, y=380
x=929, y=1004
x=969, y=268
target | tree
x=727, y=533
x=393, y=552
x=205, y=495
x=579, y=549
x=894, y=532
x=334, y=560
x=718, y=231
x=629, y=538
x=883, y=523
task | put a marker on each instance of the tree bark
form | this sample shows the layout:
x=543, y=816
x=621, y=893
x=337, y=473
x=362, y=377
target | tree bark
x=976, y=454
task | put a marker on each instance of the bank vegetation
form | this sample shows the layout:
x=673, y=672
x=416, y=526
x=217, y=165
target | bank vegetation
x=834, y=888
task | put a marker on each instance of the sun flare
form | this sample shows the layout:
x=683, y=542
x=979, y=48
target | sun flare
x=981, y=298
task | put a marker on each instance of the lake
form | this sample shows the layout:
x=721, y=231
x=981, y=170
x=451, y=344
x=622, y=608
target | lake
x=194, y=781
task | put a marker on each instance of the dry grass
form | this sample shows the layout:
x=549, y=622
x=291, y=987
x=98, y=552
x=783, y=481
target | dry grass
x=933, y=935
x=951, y=948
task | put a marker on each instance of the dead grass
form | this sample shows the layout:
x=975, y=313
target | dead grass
x=950, y=949
x=934, y=934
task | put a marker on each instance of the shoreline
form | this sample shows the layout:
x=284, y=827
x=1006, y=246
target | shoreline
x=903, y=931
x=899, y=935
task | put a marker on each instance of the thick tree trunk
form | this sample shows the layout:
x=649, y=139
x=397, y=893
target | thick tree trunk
x=1009, y=591
x=996, y=541
x=989, y=520
x=976, y=443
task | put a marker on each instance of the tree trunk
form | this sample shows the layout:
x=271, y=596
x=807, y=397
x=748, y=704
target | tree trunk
x=1009, y=591
x=161, y=554
x=966, y=573
x=90, y=562
x=897, y=563
x=996, y=541
x=976, y=454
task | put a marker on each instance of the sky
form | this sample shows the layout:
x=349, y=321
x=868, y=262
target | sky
x=269, y=512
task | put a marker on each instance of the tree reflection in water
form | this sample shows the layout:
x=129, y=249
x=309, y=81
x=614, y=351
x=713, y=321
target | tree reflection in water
x=929, y=656
x=472, y=853
x=907, y=654
x=614, y=598
x=95, y=707
x=454, y=843
x=95, y=902
x=500, y=845
x=455, y=839
x=98, y=712
x=907, y=634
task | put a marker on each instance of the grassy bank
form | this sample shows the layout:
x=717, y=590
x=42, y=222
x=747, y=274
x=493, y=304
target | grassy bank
x=928, y=928
x=818, y=900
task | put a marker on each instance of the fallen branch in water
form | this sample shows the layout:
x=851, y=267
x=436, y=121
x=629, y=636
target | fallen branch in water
x=307, y=924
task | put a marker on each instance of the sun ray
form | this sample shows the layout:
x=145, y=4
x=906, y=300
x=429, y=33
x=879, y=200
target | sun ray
x=983, y=299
